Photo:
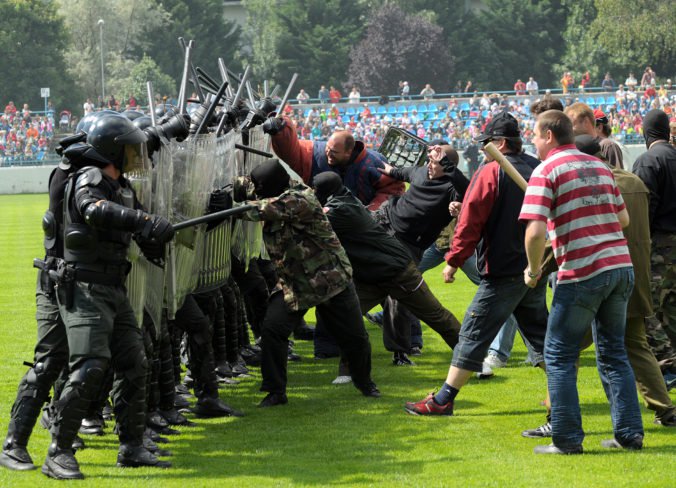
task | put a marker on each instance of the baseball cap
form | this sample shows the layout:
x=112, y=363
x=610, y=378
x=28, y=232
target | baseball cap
x=600, y=117
x=503, y=125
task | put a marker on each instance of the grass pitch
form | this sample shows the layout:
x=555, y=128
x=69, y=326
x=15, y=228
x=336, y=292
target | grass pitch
x=331, y=435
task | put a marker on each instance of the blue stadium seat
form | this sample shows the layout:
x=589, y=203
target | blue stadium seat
x=411, y=108
x=485, y=114
x=611, y=100
x=453, y=114
x=600, y=101
x=307, y=111
x=392, y=110
x=401, y=109
x=346, y=118
x=464, y=106
x=360, y=109
x=382, y=110
x=350, y=111
x=422, y=108
x=432, y=108
x=590, y=101
x=426, y=124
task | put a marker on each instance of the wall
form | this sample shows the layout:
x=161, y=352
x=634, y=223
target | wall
x=28, y=179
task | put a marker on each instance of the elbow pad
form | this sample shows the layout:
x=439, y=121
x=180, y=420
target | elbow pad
x=107, y=214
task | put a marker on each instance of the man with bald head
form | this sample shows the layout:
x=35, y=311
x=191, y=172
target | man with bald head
x=356, y=165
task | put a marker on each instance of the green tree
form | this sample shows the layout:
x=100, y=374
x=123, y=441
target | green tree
x=260, y=36
x=315, y=40
x=397, y=46
x=203, y=22
x=125, y=31
x=637, y=33
x=33, y=38
x=135, y=82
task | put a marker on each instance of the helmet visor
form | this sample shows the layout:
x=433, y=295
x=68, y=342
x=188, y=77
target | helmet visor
x=135, y=159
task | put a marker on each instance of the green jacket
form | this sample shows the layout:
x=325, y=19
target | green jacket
x=311, y=264
x=636, y=197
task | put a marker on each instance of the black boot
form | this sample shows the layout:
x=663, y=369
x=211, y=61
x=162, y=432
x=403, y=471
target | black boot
x=214, y=407
x=149, y=444
x=174, y=417
x=131, y=456
x=61, y=464
x=15, y=457
x=93, y=425
x=156, y=421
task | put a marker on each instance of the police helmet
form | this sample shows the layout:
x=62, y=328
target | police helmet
x=132, y=114
x=87, y=121
x=116, y=140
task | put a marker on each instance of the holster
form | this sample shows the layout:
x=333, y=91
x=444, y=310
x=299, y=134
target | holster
x=63, y=277
x=50, y=263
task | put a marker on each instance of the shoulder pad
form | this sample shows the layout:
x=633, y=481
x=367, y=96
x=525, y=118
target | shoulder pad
x=88, y=176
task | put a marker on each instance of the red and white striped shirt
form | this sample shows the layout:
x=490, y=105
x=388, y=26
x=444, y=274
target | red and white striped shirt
x=576, y=194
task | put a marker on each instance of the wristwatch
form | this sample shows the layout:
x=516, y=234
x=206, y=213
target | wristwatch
x=531, y=275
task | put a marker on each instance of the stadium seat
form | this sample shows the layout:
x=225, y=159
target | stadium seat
x=402, y=109
x=485, y=114
x=360, y=109
x=432, y=108
x=392, y=110
x=382, y=110
x=453, y=114
x=590, y=101
x=422, y=108
x=350, y=111
x=611, y=100
x=426, y=124
x=346, y=118
x=464, y=106
x=600, y=101
x=307, y=111
x=411, y=108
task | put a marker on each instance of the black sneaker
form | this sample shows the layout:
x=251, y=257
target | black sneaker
x=370, y=390
x=636, y=444
x=274, y=399
x=415, y=351
x=156, y=421
x=668, y=422
x=130, y=456
x=400, y=358
x=78, y=443
x=17, y=459
x=61, y=464
x=545, y=430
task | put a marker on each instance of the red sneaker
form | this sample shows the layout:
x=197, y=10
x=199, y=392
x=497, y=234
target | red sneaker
x=427, y=406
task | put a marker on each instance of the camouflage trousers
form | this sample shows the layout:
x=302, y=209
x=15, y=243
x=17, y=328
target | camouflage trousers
x=661, y=329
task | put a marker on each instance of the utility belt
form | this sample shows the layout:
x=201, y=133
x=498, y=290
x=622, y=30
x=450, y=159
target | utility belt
x=50, y=263
x=63, y=275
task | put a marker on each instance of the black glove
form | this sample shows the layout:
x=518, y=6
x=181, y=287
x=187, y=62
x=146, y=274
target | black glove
x=273, y=125
x=152, y=250
x=161, y=229
x=220, y=199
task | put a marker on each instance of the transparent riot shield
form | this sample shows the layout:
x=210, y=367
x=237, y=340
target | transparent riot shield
x=214, y=267
x=192, y=180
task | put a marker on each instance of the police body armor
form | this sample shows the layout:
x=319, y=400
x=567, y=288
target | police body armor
x=97, y=255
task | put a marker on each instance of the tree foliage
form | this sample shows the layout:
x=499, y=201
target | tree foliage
x=637, y=33
x=201, y=21
x=33, y=38
x=134, y=83
x=397, y=46
x=125, y=28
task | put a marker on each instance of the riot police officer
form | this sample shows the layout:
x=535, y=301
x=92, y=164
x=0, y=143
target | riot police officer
x=101, y=215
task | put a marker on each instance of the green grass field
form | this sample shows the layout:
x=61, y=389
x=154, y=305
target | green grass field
x=331, y=435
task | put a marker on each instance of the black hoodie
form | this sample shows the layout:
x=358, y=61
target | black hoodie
x=657, y=169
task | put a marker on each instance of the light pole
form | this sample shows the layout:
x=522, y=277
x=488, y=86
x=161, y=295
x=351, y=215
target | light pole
x=103, y=78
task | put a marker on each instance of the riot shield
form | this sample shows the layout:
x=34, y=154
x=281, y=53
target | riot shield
x=403, y=149
x=247, y=238
x=192, y=180
x=214, y=269
x=140, y=180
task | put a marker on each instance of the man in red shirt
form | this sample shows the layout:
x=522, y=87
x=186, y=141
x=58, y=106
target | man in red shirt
x=334, y=95
x=572, y=197
x=520, y=87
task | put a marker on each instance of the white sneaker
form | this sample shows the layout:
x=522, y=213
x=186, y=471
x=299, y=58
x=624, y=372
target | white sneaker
x=494, y=361
x=342, y=380
x=485, y=373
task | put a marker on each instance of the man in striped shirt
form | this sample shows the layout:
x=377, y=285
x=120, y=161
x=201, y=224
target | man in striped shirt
x=574, y=198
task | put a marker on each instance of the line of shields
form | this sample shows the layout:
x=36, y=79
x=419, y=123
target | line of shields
x=225, y=140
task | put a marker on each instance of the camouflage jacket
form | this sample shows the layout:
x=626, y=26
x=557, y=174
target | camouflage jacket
x=311, y=264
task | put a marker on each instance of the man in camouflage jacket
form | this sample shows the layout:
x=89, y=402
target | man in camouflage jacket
x=313, y=271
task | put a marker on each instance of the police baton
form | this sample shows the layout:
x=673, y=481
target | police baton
x=213, y=216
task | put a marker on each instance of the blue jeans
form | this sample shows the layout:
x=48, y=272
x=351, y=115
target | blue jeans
x=495, y=300
x=574, y=307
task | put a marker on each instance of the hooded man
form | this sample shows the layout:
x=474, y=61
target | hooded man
x=313, y=271
x=382, y=266
x=657, y=169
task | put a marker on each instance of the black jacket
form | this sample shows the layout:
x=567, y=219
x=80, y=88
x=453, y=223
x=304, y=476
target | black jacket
x=657, y=169
x=420, y=214
x=376, y=256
